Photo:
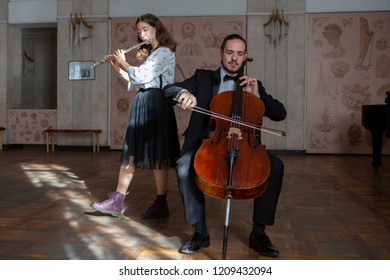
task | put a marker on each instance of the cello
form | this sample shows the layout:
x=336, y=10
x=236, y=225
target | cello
x=232, y=163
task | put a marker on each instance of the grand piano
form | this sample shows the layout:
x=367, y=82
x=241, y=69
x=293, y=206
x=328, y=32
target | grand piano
x=376, y=119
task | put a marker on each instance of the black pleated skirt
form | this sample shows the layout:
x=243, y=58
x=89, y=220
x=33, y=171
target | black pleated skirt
x=151, y=138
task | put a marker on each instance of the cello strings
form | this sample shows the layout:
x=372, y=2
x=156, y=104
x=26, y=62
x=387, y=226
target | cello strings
x=220, y=116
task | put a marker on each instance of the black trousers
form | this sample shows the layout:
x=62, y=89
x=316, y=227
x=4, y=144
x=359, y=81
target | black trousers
x=264, y=208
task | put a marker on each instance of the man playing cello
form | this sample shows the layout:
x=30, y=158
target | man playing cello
x=198, y=91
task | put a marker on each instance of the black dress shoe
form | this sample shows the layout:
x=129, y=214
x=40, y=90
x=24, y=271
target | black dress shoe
x=196, y=242
x=263, y=245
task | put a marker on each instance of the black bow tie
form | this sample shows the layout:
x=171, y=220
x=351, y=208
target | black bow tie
x=228, y=77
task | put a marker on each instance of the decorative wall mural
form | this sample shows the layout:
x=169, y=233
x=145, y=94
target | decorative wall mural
x=382, y=44
x=188, y=30
x=325, y=130
x=339, y=69
x=348, y=66
x=198, y=38
x=354, y=96
x=382, y=89
x=365, y=45
x=332, y=33
x=383, y=67
x=322, y=88
x=355, y=134
x=191, y=49
x=26, y=126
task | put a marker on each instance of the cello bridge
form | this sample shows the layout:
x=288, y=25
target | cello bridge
x=234, y=130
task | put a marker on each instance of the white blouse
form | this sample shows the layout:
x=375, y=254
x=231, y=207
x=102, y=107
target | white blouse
x=161, y=61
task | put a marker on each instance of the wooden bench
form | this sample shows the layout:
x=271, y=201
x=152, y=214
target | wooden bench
x=95, y=133
x=1, y=137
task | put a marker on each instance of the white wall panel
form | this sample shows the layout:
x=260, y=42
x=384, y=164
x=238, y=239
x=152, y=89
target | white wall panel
x=314, y=6
x=37, y=11
x=135, y=8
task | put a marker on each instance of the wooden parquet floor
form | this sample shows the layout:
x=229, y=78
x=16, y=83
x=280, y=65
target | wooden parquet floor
x=332, y=207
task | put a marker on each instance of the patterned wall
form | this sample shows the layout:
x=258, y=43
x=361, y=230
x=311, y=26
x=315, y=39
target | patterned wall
x=26, y=126
x=198, y=38
x=348, y=65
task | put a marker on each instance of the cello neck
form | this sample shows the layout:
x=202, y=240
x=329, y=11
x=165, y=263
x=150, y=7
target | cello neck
x=237, y=100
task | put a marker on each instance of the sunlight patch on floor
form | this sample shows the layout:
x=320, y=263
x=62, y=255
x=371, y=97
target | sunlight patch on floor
x=65, y=189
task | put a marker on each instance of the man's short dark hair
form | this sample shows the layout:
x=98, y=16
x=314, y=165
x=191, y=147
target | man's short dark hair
x=232, y=37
